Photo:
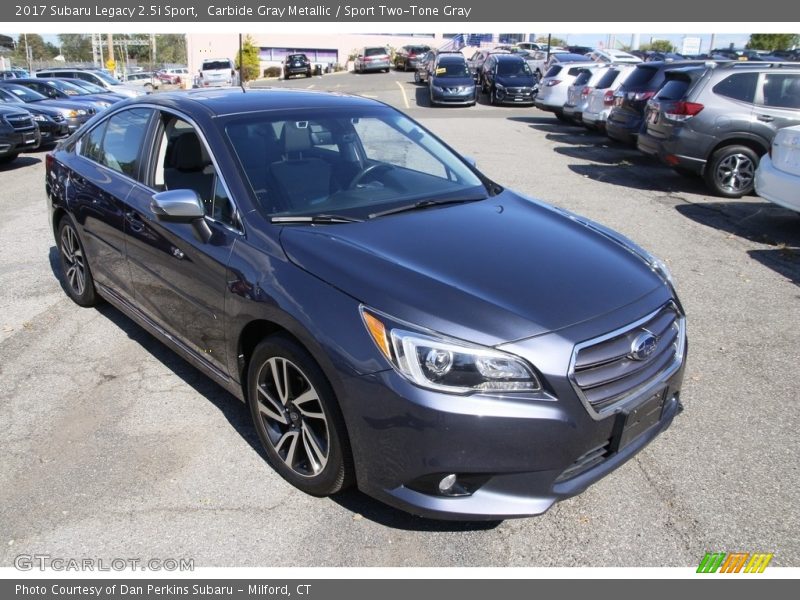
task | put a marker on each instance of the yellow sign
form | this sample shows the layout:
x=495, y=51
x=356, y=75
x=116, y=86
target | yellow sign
x=111, y=63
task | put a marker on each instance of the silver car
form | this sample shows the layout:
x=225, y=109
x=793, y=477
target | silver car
x=601, y=97
x=372, y=58
x=553, y=88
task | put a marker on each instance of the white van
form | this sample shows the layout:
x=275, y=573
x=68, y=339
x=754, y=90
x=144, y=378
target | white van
x=217, y=72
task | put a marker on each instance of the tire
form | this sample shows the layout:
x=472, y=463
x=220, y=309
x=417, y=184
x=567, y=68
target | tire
x=416, y=78
x=493, y=97
x=75, y=271
x=306, y=442
x=730, y=172
x=8, y=158
x=562, y=117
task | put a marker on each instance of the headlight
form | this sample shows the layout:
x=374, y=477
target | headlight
x=440, y=363
x=40, y=118
x=71, y=114
x=81, y=112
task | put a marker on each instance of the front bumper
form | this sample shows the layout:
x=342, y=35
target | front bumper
x=466, y=98
x=19, y=141
x=521, y=454
x=508, y=96
x=52, y=132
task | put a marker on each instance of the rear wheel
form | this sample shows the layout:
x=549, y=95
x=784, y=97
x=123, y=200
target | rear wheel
x=731, y=171
x=78, y=280
x=297, y=418
x=562, y=117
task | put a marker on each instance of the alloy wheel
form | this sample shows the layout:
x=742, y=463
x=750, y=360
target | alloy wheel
x=735, y=173
x=75, y=267
x=293, y=417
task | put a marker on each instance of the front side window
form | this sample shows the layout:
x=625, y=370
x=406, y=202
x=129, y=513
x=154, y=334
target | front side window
x=351, y=162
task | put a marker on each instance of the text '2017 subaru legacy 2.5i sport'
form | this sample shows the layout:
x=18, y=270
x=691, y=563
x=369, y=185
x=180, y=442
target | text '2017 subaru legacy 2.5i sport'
x=393, y=318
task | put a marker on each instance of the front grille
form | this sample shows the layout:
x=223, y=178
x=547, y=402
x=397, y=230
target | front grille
x=20, y=122
x=58, y=118
x=604, y=371
x=592, y=458
x=519, y=90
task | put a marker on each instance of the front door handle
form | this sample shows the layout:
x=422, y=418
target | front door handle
x=766, y=118
x=134, y=221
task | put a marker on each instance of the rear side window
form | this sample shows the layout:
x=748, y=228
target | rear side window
x=740, y=86
x=641, y=77
x=674, y=89
x=608, y=79
x=782, y=91
x=116, y=143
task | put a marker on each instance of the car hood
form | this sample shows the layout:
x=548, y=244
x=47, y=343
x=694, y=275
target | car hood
x=494, y=271
x=515, y=81
x=450, y=82
x=59, y=104
x=37, y=109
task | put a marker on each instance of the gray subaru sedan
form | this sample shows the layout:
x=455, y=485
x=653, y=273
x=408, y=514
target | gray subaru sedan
x=393, y=318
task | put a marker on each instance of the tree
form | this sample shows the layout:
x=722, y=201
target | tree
x=773, y=41
x=554, y=41
x=76, y=47
x=248, y=59
x=658, y=46
x=39, y=50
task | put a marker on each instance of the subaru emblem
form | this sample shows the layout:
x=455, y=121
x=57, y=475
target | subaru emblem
x=643, y=345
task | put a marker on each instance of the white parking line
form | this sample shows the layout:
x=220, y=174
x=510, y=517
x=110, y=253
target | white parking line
x=405, y=96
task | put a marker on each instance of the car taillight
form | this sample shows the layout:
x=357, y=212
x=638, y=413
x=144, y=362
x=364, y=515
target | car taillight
x=641, y=95
x=50, y=160
x=585, y=92
x=552, y=82
x=608, y=98
x=683, y=110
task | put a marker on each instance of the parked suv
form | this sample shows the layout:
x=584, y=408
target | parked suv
x=407, y=57
x=578, y=92
x=18, y=132
x=508, y=79
x=296, y=64
x=372, y=58
x=554, y=87
x=217, y=72
x=718, y=122
x=626, y=117
x=451, y=81
x=601, y=98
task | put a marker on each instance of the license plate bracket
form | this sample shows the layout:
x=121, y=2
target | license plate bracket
x=639, y=419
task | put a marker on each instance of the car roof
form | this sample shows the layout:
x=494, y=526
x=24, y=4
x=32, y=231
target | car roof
x=509, y=57
x=231, y=101
x=452, y=57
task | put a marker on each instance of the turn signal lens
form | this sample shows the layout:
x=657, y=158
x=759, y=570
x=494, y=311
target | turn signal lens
x=378, y=333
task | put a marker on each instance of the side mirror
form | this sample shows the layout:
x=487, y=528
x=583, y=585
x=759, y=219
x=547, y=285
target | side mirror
x=178, y=205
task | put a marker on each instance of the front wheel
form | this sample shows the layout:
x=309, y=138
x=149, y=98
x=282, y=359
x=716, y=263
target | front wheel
x=731, y=171
x=297, y=418
x=78, y=280
x=416, y=77
x=493, y=97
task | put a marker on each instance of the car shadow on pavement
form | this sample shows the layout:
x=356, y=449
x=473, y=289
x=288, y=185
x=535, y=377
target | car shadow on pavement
x=759, y=222
x=648, y=177
x=238, y=416
x=19, y=163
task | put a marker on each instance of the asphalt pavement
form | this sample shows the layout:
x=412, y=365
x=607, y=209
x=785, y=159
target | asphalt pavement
x=113, y=446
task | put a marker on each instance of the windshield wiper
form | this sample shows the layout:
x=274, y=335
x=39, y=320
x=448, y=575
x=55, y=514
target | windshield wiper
x=423, y=204
x=315, y=219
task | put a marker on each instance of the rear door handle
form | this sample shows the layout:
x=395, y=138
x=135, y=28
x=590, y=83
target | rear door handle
x=766, y=118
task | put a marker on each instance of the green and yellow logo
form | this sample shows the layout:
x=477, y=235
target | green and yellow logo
x=734, y=562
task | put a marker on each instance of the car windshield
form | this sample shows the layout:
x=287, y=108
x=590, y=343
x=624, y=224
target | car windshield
x=106, y=77
x=452, y=68
x=68, y=88
x=516, y=68
x=216, y=65
x=24, y=93
x=8, y=97
x=88, y=86
x=348, y=163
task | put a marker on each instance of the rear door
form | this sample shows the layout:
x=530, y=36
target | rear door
x=777, y=103
x=180, y=275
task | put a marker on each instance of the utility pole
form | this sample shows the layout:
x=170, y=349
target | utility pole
x=28, y=54
x=110, y=60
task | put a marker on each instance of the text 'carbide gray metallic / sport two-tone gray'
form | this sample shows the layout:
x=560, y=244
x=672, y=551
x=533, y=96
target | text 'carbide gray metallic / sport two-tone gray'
x=394, y=319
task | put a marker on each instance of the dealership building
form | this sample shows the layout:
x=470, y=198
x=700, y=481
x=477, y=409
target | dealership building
x=332, y=48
